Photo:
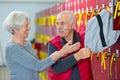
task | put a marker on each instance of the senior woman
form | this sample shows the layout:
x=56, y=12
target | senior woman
x=22, y=62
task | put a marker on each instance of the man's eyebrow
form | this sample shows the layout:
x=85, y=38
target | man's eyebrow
x=60, y=22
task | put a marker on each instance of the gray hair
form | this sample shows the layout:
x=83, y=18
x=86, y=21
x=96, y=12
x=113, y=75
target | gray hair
x=15, y=20
x=71, y=17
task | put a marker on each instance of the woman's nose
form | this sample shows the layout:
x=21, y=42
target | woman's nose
x=29, y=27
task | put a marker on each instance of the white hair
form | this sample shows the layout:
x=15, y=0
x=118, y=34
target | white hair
x=15, y=20
x=71, y=16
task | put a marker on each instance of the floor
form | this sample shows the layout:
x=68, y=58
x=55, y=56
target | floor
x=4, y=73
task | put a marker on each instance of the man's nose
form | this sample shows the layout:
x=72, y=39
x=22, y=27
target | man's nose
x=59, y=26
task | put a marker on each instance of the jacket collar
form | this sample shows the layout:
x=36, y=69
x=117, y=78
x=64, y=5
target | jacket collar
x=76, y=38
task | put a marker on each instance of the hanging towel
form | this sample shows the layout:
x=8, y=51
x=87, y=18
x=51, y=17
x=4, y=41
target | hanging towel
x=99, y=33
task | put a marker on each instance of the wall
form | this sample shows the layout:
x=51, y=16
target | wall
x=30, y=8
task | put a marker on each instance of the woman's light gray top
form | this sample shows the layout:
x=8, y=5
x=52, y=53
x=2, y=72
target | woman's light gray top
x=23, y=63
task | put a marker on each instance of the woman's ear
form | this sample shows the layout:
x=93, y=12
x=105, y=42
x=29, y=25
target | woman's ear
x=13, y=31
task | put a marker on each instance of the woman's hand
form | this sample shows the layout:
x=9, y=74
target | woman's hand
x=69, y=48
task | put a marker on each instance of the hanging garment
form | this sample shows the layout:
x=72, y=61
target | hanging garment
x=99, y=33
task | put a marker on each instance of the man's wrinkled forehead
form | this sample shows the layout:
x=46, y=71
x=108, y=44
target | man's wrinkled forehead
x=61, y=18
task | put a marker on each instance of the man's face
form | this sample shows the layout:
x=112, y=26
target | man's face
x=63, y=25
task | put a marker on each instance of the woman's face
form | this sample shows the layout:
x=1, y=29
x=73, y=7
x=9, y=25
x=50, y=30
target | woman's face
x=23, y=32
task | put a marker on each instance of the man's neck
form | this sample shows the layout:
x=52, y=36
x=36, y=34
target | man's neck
x=69, y=36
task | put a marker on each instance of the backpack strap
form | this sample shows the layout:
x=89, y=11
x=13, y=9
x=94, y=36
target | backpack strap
x=101, y=30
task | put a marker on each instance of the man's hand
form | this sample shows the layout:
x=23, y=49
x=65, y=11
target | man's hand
x=82, y=54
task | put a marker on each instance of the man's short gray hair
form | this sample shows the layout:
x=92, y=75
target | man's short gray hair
x=71, y=15
x=15, y=20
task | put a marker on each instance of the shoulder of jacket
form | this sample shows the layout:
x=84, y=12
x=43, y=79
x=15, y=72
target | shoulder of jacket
x=55, y=39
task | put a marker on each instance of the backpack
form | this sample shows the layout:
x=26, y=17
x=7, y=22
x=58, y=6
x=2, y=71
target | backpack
x=99, y=33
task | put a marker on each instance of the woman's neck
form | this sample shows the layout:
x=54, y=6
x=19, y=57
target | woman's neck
x=18, y=40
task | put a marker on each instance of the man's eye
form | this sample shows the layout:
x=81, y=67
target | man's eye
x=56, y=23
x=62, y=23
